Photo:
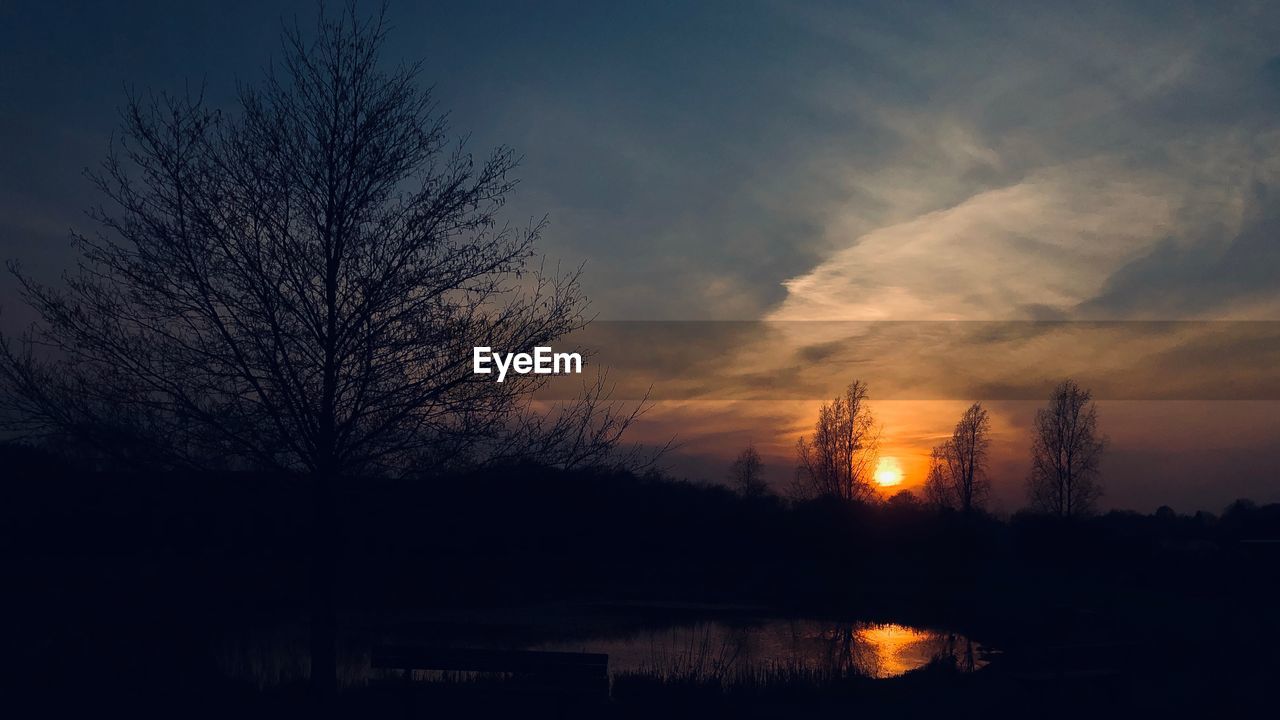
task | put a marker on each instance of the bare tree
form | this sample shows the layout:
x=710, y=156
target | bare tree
x=937, y=484
x=298, y=286
x=1066, y=449
x=586, y=431
x=840, y=457
x=958, y=467
x=746, y=474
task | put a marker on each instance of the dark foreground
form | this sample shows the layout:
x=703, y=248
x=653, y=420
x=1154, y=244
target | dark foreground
x=122, y=592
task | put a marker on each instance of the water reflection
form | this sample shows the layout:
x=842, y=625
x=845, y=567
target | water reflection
x=893, y=650
x=717, y=649
x=709, y=649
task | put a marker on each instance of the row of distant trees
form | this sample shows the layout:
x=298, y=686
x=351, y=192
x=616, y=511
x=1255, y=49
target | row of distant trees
x=839, y=458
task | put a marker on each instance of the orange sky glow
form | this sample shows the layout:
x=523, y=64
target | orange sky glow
x=1201, y=433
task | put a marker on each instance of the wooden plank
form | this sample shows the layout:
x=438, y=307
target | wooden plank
x=521, y=662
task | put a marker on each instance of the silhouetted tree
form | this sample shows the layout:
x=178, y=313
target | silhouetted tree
x=937, y=484
x=746, y=474
x=1066, y=450
x=299, y=286
x=958, y=467
x=903, y=500
x=839, y=458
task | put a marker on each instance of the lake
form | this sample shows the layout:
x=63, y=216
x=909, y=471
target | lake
x=718, y=648
x=699, y=647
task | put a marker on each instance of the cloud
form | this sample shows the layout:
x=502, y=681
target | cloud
x=1050, y=240
x=1029, y=161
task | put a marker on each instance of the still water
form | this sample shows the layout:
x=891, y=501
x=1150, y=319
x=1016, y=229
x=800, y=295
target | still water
x=702, y=649
x=711, y=648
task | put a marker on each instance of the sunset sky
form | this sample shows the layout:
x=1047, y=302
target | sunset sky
x=1027, y=165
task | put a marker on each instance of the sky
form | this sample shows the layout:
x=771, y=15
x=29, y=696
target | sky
x=1028, y=165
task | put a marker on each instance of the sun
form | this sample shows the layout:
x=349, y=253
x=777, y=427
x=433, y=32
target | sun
x=888, y=472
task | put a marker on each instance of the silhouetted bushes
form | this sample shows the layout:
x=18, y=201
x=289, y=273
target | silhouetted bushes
x=525, y=534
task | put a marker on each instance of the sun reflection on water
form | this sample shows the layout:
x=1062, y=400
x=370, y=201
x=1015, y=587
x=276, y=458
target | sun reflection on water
x=898, y=649
x=877, y=650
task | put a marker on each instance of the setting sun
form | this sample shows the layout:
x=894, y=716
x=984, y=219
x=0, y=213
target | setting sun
x=888, y=472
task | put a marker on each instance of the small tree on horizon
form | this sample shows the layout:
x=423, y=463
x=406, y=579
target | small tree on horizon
x=838, y=459
x=958, y=467
x=1066, y=452
x=746, y=473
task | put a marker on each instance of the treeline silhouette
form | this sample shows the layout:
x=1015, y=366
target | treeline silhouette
x=527, y=533
x=540, y=532
x=839, y=459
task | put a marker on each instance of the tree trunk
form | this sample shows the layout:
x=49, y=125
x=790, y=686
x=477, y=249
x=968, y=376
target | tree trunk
x=324, y=616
